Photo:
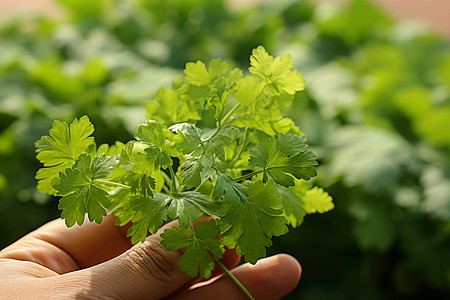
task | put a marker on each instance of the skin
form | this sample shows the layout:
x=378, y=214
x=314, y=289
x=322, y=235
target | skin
x=97, y=261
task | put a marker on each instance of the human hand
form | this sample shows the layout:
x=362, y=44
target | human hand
x=97, y=261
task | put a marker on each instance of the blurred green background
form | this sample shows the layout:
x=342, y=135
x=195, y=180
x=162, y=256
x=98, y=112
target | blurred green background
x=376, y=110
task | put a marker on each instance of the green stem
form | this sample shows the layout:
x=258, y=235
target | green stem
x=112, y=183
x=182, y=188
x=223, y=122
x=112, y=211
x=229, y=114
x=172, y=174
x=199, y=186
x=235, y=280
x=241, y=149
x=249, y=175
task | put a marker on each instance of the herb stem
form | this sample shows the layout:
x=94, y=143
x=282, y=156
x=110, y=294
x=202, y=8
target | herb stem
x=223, y=122
x=112, y=183
x=172, y=174
x=241, y=149
x=235, y=280
x=229, y=114
x=248, y=175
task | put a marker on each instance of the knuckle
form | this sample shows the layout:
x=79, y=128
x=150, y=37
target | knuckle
x=153, y=260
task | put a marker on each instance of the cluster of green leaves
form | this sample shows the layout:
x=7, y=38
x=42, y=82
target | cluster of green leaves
x=375, y=106
x=249, y=170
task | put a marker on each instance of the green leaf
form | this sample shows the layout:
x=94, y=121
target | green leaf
x=132, y=159
x=373, y=158
x=151, y=133
x=159, y=149
x=276, y=72
x=260, y=108
x=234, y=193
x=219, y=102
x=186, y=207
x=198, y=168
x=213, y=86
x=189, y=137
x=191, y=172
x=317, y=201
x=218, y=73
x=284, y=156
x=146, y=213
x=168, y=108
x=218, y=141
x=197, y=73
x=140, y=183
x=300, y=200
x=201, y=244
x=292, y=199
x=251, y=226
x=60, y=149
x=81, y=194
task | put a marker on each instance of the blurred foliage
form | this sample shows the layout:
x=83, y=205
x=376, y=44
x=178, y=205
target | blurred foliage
x=376, y=109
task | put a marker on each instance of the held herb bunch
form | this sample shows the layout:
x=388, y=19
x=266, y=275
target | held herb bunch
x=217, y=143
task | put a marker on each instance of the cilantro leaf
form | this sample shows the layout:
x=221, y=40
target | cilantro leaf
x=81, y=194
x=317, y=200
x=197, y=73
x=213, y=86
x=159, y=150
x=201, y=244
x=189, y=137
x=251, y=226
x=133, y=160
x=136, y=170
x=276, y=72
x=190, y=141
x=300, y=200
x=203, y=152
x=218, y=73
x=185, y=206
x=140, y=183
x=218, y=102
x=146, y=213
x=284, y=156
x=60, y=149
x=294, y=207
x=259, y=107
x=167, y=107
x=233, y=192
x=216, y=144
x=191, y=171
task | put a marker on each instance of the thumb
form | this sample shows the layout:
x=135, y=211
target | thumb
x=147, y=270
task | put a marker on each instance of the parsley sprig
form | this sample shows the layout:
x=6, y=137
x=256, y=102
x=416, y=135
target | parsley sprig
x=248, y=168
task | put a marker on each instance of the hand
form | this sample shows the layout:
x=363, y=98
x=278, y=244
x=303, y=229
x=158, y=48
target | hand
x=95, y=261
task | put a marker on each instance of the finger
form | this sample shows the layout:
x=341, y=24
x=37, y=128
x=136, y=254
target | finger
x=230, y=259
x=270, y=278
x=65, y=249
x=146, y=271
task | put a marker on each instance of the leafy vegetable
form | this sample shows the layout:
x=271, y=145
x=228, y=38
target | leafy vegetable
x=387, y=79
x=250, y=227
x=201, y=244
x=179, y=168
x=81, y=193
x=282, y=156
x=249, y=211
x=61, y=149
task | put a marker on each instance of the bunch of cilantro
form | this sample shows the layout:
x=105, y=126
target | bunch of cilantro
x=249, y=169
